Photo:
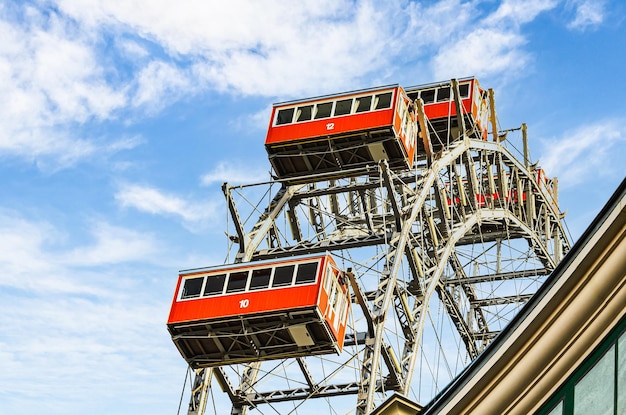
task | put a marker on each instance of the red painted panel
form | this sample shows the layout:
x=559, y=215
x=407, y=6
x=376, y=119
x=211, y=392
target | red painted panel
x=444, y=109
x=245, y=303
x=248, y=302
x=306, y=296
x=328, y=126
x=338, y=328
x=408, y=142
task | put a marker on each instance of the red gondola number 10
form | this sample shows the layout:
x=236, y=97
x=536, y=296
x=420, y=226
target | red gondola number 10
x=244, y=303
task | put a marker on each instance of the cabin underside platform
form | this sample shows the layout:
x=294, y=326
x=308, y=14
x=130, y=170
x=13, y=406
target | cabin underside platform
x=244, y=339
x=336, y=153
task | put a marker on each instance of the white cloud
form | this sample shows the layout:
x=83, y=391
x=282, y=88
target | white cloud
x=34, y=256
x=76, y=319
x=52, y=71
x=133, y=50
x=589, y=13
x=20, y=245
x=235, y=174
x=68, y=66
x=206, y=28
x=53, y=82
x=259, y=120
x=519, y=12
x=156, y=202
x=65, y=64
x=73, y=345
x=112, y=245
x=159, y=84
x=432, y=24
x=586, y=154
x=304, y=54
x=54, y=150
x=488, y=45
x=482, y=52
x=267, y=48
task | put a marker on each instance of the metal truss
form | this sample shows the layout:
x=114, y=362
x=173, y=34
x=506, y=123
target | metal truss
x=471, y=229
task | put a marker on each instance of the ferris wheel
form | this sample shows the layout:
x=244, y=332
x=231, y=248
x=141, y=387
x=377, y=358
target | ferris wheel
x=437, y=238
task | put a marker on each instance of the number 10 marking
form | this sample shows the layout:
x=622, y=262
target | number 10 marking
x=244, y=303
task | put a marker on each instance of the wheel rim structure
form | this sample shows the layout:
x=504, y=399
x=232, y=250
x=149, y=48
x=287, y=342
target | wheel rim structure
x=439, y=259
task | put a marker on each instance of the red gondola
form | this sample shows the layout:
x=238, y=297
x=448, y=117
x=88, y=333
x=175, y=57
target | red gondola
x=260, y=311
x=440, y=109
x=342, y=132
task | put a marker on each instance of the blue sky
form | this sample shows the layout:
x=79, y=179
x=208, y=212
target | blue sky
x=121, y=119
